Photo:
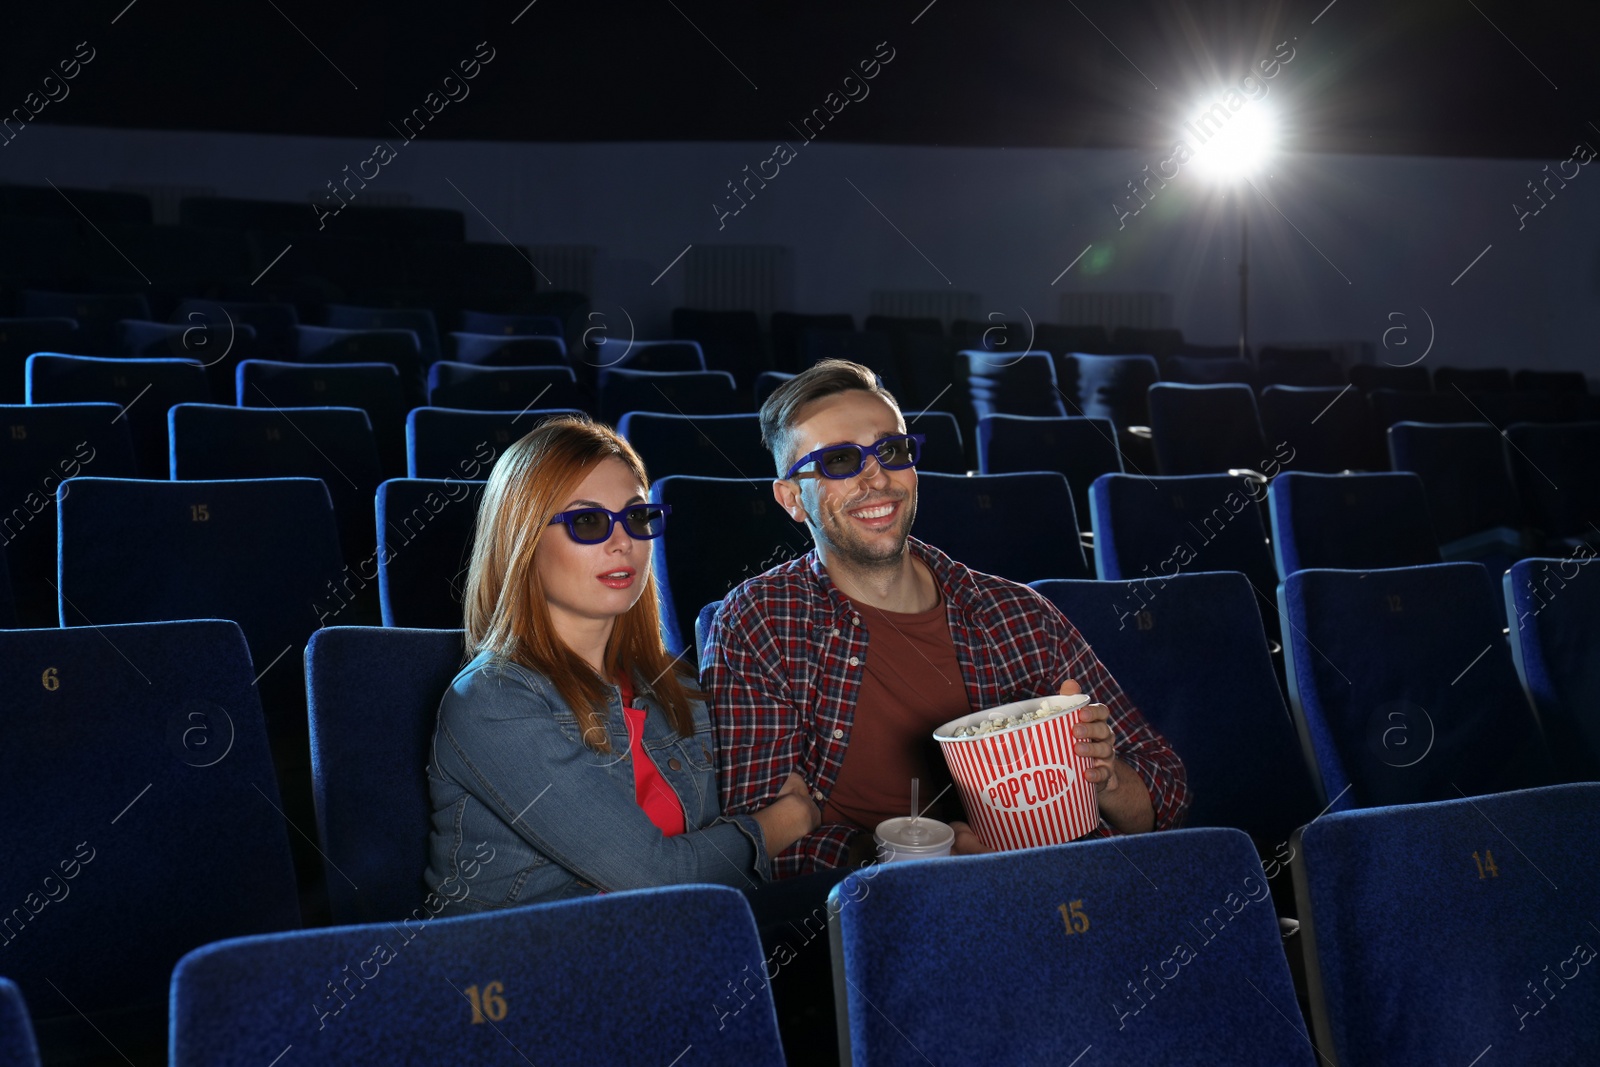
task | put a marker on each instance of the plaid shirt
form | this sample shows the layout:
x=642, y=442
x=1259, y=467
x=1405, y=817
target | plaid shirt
x=783, y=667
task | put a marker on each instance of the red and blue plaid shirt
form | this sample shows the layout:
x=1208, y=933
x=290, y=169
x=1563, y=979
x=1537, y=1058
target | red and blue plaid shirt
x=783, y=666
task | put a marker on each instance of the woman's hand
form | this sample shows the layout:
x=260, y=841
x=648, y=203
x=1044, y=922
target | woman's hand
x=790, y=817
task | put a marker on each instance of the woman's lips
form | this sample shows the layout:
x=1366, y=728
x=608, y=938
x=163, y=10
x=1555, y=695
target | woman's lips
x=620, y=578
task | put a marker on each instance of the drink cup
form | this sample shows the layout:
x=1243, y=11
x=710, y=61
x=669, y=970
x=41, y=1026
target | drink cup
x=905, y=838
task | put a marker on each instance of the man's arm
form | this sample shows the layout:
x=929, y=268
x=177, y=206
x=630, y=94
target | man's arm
x=1145, y=786
x=1123, y=797
x=755, y=724
x=760, y=724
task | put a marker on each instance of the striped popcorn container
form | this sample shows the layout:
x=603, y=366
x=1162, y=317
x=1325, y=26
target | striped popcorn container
x=1022, y=785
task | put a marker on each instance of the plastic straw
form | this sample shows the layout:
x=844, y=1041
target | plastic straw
x=916, y=783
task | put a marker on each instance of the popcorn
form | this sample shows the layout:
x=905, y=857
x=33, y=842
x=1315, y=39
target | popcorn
x=995, y=722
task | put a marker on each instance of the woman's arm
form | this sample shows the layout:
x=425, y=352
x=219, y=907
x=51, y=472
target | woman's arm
x=501, y=739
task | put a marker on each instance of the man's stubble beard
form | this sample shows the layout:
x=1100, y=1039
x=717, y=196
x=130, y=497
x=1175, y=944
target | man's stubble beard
x=851, y=551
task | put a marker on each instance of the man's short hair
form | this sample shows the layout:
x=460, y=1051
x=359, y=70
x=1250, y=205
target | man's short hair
x=827, y=378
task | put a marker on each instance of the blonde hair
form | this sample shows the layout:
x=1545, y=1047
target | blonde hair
x=505, y=608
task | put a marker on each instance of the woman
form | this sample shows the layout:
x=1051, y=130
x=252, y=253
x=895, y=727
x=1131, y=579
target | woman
x=570, y=756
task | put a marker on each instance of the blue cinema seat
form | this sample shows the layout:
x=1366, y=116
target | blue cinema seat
x=944, y=451
x=731, y=340
x=702, y=626
x=747, y=534
x=1157, y=527
x=152, y=822
x=472, y=388
x=708, y=446
x=419, y=321
x=1080, y=449
x=1553, y=467
x=42, y=445
x=536, y=977
x=485, y=322
x=1390, y=406
x=211, y=442
x=1403, y=688
x=501, y=350
x=1111, y=387
x=874, y=350
x=1474, y=505
x=1010, y=383
x=648, y=355
x=1156, y=638
x=789, y=329
x=17, y=1046
x=767, y=383
x=1018, y=526
x=452, y=443
x=217, y=349
x=1205, y=429
x=1472, y=379
x=1210, y=370
x=372, y=387
x=426, y=528
x=1156, y=948
x=1329, y=429
x=675, y=392
x=275, y=324
x=97, y=314
x=1349, y=521
x=1458, y=932
x=399, y=348
x=145, y=389
x=1553, y=610
x=261, y=552
x=373, y=695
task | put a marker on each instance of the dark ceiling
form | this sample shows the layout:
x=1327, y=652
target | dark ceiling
x=1423, y=77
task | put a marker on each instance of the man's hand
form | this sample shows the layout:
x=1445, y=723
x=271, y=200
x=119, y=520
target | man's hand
x=1124, y=801
x=1093, y=738
x=967, y=842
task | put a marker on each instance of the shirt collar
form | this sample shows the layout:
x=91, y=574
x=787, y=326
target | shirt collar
x=953, y=579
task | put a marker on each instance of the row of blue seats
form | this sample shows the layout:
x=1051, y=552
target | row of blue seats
x=1184, y=900
x=410, y=336
x=119, y=324
x=1460, y=502
x=266, y=554
x=160, y=730
x=1194, y=429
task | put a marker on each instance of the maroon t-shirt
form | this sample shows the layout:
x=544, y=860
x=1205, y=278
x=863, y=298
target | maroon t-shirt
x=911, y=684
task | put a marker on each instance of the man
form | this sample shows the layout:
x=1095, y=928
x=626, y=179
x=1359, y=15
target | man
x=838, y=666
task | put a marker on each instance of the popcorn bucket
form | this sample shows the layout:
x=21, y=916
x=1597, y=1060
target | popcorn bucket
x=1022, y=785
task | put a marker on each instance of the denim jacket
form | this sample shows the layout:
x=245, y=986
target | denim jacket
x=509, y=767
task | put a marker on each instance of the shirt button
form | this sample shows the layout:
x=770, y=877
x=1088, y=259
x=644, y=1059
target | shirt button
x=836, y=631
x=838, y=735
x=855, y=661
x=856, y=619
x=674, y=764
x=817, y=793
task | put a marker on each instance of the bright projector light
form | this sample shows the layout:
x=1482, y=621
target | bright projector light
x=1228, y=144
